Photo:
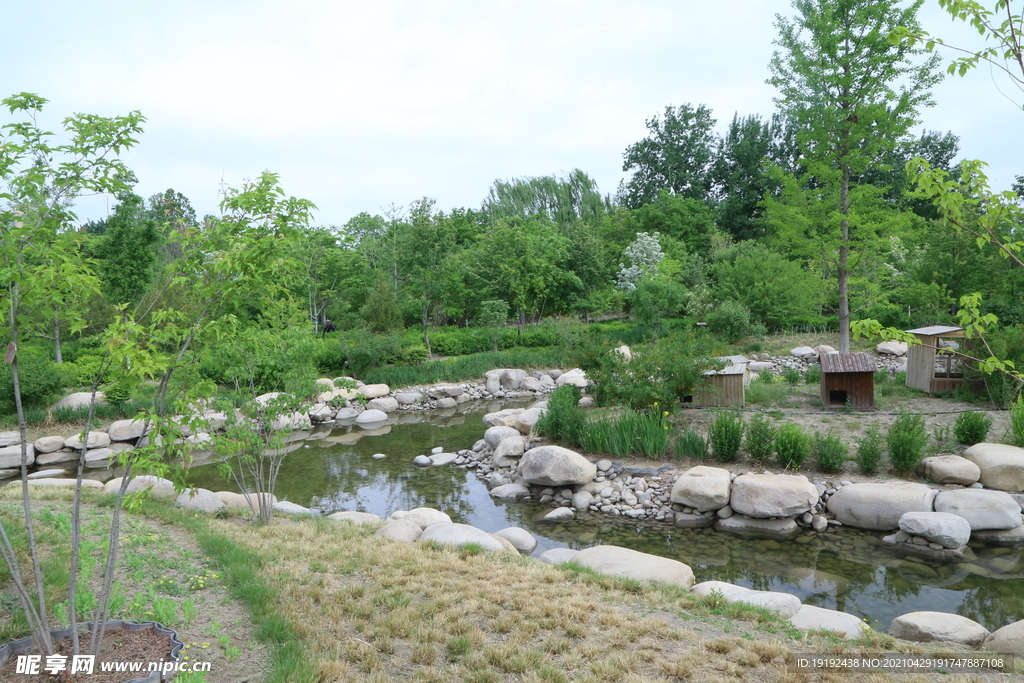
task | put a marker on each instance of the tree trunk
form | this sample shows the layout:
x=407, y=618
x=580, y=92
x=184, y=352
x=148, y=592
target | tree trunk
x=842, y=274
x=58, y=356
x=426, y=322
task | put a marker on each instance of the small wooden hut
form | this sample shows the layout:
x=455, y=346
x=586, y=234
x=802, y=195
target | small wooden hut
x=725, y=387
x=928, y=369
x=848, y=379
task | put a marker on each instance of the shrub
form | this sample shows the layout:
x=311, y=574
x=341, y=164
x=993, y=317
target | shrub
x=829, y=452
x=766, y=376
x=906, y=439
x=792, y=376
x=725, y=434
x=1016, y=433
x=760, y=441
x=813, y=375
x=564, y=418
x=869, y=452
x=414, y=354
x=972, y=427
x=691, y=444
x=39, y=379
x=792, y=446
x=730, y=321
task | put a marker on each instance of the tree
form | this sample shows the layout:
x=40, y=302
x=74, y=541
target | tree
x=675, y=156
x=644, y=255
x=561, y=200
x=425, y=245
x=853, y=94
x=128, y=250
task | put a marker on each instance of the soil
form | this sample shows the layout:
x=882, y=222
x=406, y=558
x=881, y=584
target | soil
x=118, y=646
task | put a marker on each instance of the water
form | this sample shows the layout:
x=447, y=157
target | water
x=845, y=569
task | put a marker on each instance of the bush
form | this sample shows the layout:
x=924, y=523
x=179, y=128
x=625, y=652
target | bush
x=869, y=452
x=766, y=376
x=906, y=439
x=564, y=418
x=792, y=376
x=414, y=354
x=829, y=452
x=39, y=379
x=691, y=444
x=726, y=434
x=730, y=321
x=760, y=441
x=1016, y=434
x=792, y=446
x=813, y=375
x=971, y=427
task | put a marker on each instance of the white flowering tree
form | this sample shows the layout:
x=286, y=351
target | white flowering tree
x=644, y=255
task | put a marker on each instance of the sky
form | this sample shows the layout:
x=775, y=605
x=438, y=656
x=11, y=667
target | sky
x=360, y=106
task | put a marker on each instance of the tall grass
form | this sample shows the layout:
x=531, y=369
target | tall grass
x=1017, y=422
x=726, y=434
x=869, y=452
x=643, y=433
x=691, y=444
x=792, y=446
x=564, y=418
x=829, y=452
x=906, y=439
x=466, y=367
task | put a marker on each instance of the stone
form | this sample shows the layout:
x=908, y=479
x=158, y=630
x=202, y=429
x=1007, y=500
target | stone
x=49, y=444
x=942, y=627
x=760, y=365
x=879, y=506
x=624, y=351
x=46, y=474
x=784, y=604
x=423, y=516
x=295, y=420
x=892, y=348
x=693, y=521
x=384, y=404
x=532, y=384
x=291, y=508
x=632, y=564
x=506, y=544
x=581, y=500
x=757, y=527
x=510, y=492
x=96, y=440
x=356, y=517
x=325, y=382
x=505, y=418
x=512, y=380
x=378, y=456
x=510, y=447
x=1002, y=466
x=555, y=466
x=495, y=435
x=447, y=402
x=268, y=398
x=1007, y=640
x=772, y=495
x=98, y=457
x=948, y=530
x=460, y=535
x=950, y=469
x=66, y=455
x=79, y=399
x=401, y=530
x=814, y=618
x=69, y=483
x=558, y=555
x=982, y=509
x=443, y=459
x=346, y=414
x=562, y=514
x=374, y=390
x=702, y=488
x=802, y=352
x=9, y=439
x=824, y=350
x=322, y=412
x=408, y=398
x=521, y=539
x=1009, y=538
x=10, y=456
x=126, y=430
x=422, y=461
x=528, y=419
x=371, y=417
x=586, y=402
x=203, y=500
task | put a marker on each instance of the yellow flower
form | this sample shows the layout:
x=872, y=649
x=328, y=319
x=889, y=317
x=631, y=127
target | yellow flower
x=665, y=414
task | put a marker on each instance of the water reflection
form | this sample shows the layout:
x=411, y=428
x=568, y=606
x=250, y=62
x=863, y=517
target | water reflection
x=845, y=569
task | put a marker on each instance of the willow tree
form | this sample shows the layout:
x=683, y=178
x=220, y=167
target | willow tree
x=854, y=94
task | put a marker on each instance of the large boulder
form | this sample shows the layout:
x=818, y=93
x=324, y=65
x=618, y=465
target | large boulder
x=385, y=404
x=495, y=435
x=784, y=604
x=703, y=488
x=982, y=509
x=401, y=530
x=892, y=348
x=1007, y=640
x=424, y=517
x=49, y=444
x=950, y=469
x=529, y=418
x=509, y=448
x=632, y=564
x=492, y=380
x=928, y=627
x=879, y=506
x=408, y=398
x=371, y=417
x=555, y=466
x=802, y=352
x=1002, y=466
x=203, y=500
x=10, y=456
x=512, y=380
x=460, y=535
x=772, y=495
x=126, y=430
x=946, y=529
x=810, y=618
x=510, y=492
x=558, y=555
x=576, y=377
x=96, y=440
x=1007, y=538
x=374, y=390
x=504, y=418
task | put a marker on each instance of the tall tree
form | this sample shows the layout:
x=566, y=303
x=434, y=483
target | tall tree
x=675, y=156
x=561, y=200
x=425, y=244
x=854, y=95
x=128, y=250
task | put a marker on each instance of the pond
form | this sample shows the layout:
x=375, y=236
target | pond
x=845, y=569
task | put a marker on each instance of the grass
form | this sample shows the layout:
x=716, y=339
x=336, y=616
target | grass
x=471, y=366
x=40, y=417
x=643, y=433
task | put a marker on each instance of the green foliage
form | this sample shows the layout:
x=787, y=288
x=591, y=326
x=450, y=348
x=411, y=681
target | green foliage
x=791, y=376
x=760, y=438
x=869, y=452
x=691, y=444
x=906, y=439
x=813, y=375
x=654, y=299
x=381, y=312
x=493, y=315
x=128, y=250
x=643, y=433
x=778, y=292
x=1016, y=434
x=725, y=433
x=39, y=378
x=792, y=446
x=971, y=427
x=829, y=452
x=465, y=367
x=564, y=418
x=730, y=321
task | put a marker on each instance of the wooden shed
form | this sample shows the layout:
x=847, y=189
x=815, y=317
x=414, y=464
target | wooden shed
x=725, y=387
x=848, y=379
x=928, y=369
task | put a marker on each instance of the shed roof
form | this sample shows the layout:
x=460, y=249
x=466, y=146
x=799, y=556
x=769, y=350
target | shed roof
x=936, y=330
x=848, y=362
x=737, y=366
